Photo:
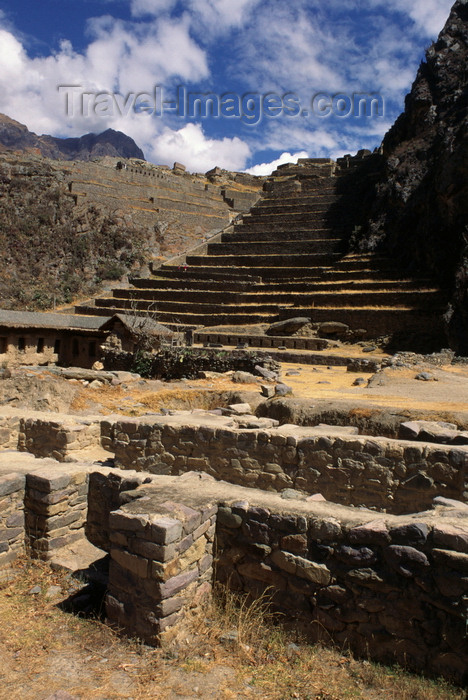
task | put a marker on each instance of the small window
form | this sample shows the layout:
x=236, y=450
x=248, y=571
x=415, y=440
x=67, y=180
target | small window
x=57, y=346
x=92, y=349
x=40, y=345
x=75, y=347
x=3, y=345
x=21, y=344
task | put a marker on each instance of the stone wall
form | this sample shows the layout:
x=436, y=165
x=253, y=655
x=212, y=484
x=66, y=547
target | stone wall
x=161, y=555
x=391, y=588
x=393, y=592
x=395, y=475
x=55, y=509
x=11, y=517
x=58, y=439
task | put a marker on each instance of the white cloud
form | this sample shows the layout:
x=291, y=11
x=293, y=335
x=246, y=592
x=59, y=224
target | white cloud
x=267, y=168
x=219, y=14
x=191, y=147
x=151, y=7
x=429, y=16
x=117, y=58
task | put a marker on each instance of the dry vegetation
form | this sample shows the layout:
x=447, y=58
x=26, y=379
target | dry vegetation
x=231, y=650
x=54, y=252
x=138, y=400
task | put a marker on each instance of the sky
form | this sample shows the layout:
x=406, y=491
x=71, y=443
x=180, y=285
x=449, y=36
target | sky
x=239, y=84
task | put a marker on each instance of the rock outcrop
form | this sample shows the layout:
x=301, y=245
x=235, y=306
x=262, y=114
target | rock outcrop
x=416, y=208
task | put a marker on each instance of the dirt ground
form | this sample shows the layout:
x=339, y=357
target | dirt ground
x=224, y=653
x=399, y=388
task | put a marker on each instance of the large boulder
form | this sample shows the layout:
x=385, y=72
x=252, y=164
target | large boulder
x=333, y=329
x=289, y=326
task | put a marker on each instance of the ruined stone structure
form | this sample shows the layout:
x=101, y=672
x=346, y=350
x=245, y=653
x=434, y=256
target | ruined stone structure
x=287, y=258
x=176, y=206
x=389, y=587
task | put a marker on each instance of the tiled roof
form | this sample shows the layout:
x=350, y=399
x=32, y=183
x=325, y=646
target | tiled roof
x=33, y=319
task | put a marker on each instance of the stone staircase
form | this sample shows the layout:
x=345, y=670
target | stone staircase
x=286, y=257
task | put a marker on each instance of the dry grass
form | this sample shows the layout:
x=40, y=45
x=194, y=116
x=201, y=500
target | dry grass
x=137, y=400
x=233, y=649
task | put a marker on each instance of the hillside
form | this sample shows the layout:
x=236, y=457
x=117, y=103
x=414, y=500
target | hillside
x=65, y=226
x=50, y=251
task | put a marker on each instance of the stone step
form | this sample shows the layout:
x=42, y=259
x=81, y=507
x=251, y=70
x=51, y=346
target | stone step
x=151, y=286
x=379, y=321
x=188, y=320
x=307, y=197
x=255, y=261
x=262, y=302
x=285, y=248
x=290, y=206
x=377, y=297
x=316, y=295
x=217, y=319
x=257, y=273
x=255, y=295
x=210, y=273
x=187, y=306
x=260, y=341
x=287, y=217
x=267, y=235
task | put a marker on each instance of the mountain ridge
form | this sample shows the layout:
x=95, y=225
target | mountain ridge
x=15, y=136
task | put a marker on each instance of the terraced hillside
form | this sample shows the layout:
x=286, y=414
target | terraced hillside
x=287, y=257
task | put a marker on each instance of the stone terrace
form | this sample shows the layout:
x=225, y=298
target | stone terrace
x=286, y=257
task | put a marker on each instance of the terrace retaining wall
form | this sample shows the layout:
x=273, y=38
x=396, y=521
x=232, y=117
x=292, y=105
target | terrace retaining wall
x=394, y=475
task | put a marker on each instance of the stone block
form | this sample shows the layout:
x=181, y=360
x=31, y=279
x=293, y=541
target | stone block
x=190, y=517
x=327, y=530
x=10, y=483
x=205, y=563
x=165, y=530
x=178, y=583
x=228, y=519
x=138, y=566
x=450, y=559
x=451, y=537
x=375, y=532
x=413, y=534
x=151, y=550
x=47, y=481
x=260, y=571
x=121, y=520
x=406, y=561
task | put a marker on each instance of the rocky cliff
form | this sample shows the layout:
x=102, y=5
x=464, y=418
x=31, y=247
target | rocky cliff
x=17, y=137
x=416, y=190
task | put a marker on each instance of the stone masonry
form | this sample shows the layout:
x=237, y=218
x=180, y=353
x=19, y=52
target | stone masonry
x=395, y=475
x=56, y=503
x=392, y=588
x=11, y=517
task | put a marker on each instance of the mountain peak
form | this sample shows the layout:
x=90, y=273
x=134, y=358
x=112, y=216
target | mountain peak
x=17, y=137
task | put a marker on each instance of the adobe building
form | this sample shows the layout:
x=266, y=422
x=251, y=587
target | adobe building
x=34, y=338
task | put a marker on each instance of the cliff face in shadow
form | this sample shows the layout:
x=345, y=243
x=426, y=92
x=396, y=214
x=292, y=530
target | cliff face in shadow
x=416, y=207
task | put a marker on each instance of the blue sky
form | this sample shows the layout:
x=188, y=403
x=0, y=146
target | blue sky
x=283, y=77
